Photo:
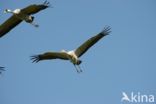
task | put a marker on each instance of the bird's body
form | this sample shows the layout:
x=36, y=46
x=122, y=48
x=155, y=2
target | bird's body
x=20, y=15
x=72, y=55
x=16, y=11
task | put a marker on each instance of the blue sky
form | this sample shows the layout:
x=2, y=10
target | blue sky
x=123, y=61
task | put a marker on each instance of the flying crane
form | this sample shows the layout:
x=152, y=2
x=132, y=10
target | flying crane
x=73, y=55
x=20, y=15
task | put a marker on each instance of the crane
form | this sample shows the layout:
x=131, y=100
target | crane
x=20, y=15
x=72, y=55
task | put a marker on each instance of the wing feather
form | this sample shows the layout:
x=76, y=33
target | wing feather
x=49, y=55
x=1, y=69
x=90, y=42
x=9, y=24
x=34, y=8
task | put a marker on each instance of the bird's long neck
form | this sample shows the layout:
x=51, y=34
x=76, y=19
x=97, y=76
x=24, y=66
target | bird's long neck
x=8, y=11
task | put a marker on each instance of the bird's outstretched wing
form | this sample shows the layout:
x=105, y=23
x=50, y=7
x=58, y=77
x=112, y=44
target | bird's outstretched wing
x=90, y=42
x=49, y=55
x=34, y=8
x=9, y=24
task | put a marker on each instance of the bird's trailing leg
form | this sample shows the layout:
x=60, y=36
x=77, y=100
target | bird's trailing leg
x=30, y=20
x=34, y=24
x=78, y=69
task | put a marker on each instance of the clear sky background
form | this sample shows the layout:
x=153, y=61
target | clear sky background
x=123, y=61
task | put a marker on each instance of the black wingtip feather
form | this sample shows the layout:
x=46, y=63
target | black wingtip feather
x=106, y=30
x=35, y=58
x=46, y=4
x=2, y=68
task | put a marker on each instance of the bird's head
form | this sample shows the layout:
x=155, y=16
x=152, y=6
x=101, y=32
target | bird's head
x=7, y=11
